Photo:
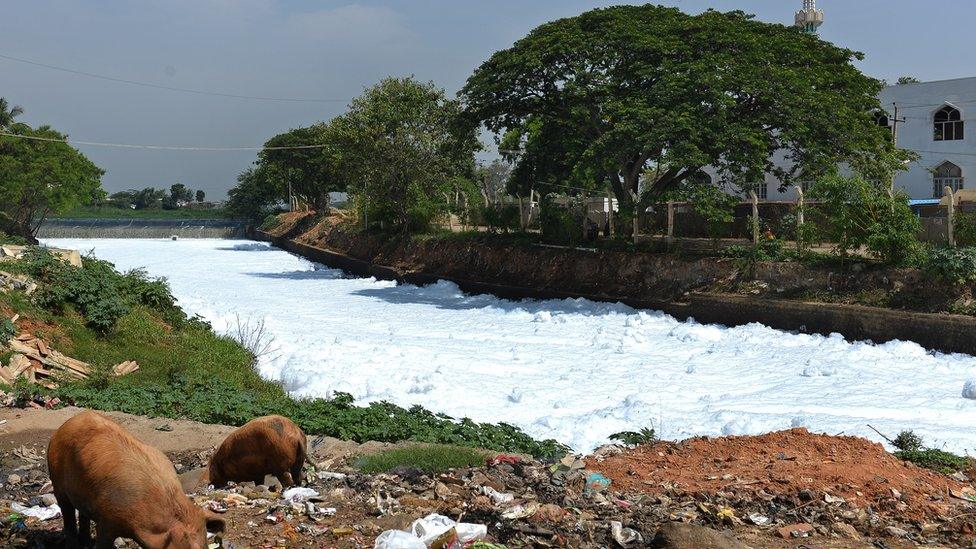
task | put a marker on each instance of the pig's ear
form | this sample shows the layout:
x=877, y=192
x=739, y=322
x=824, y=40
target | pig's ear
x=215, y=523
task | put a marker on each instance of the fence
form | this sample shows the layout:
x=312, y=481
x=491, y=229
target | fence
x=778, y=218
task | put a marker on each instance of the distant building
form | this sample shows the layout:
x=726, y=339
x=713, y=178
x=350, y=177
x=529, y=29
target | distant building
x=932, y=120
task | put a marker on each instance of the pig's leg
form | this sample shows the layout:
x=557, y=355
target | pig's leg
x=84, y=530
x=106, y=539
x=296, y=473
x=285, y=479
x=70, y=526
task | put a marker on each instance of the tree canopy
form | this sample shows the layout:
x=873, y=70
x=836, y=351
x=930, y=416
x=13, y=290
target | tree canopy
x=38, y=178
x=313, y=170
x=404, y=152
x=593, y=101
x=8, y=113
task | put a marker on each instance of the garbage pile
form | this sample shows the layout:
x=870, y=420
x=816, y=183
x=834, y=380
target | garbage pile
x=35, y=361
x=515, y=501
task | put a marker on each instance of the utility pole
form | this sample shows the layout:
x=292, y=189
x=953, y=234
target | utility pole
x=894, y=138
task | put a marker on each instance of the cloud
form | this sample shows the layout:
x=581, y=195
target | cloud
x=353, y=25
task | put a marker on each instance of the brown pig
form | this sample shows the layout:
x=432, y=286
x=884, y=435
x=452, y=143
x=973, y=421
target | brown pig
x=269, y=445
x=129, y=489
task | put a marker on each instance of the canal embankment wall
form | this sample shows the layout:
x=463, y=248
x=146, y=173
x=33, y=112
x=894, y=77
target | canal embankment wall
x=142, y=228
x=707, y=289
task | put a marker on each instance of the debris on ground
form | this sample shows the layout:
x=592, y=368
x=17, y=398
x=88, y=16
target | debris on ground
x=37, y=362
x=762, y=492
x=21, y=283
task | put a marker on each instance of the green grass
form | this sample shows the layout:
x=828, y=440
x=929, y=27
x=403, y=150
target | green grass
x=937, y=460
x=111, y=212
x=433, y=458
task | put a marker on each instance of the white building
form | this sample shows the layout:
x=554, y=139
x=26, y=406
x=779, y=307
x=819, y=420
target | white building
x=934, y=119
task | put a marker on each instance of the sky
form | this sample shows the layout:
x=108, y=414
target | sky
x=332, y=50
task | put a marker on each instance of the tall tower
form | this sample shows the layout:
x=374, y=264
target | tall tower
x=810, y=18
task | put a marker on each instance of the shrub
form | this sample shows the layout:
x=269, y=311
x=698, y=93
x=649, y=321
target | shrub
x=504, y=218
x=954, y=265
x=908, y=441
x=559, y=224
x=964, y=229
x=911, y=448
x=13, y=240
x=937, y=460
x=7, y=330
x=434, y=458
x=270, y=223
x=634, y=438
x=860, y=213
x=96, y=290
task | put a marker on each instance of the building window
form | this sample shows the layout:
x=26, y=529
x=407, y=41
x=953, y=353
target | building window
x=947, y=175
x=881, y=118
x=949, y=124
x=762, y=190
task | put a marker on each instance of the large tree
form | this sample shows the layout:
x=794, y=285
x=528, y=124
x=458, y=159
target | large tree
x=307, y=161
x=404, y=152
x=254, y=197
x=598, y=99
x=38, y=178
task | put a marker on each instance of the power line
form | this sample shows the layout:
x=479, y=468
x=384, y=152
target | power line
x=158, y=147
x=170, y=88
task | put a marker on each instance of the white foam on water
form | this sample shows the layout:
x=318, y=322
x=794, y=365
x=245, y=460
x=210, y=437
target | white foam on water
x=573, y=370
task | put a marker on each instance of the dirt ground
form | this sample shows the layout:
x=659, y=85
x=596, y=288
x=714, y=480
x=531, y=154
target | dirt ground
x=789, y=489
x=857, y=470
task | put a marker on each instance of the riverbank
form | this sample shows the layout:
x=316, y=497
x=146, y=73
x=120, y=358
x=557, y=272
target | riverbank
x=862, y=301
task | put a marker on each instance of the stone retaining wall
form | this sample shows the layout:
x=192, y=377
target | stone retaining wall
x=947, y=333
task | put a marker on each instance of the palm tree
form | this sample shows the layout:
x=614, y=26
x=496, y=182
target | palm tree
x=8, y=113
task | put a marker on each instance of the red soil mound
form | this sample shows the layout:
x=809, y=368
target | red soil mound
x=794, y=463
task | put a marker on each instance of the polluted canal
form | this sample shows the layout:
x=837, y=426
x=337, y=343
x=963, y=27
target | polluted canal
x=573, y=370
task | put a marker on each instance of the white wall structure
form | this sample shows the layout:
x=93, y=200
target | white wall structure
x=936, y=120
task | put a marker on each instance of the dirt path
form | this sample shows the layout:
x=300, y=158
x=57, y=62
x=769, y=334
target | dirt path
x=34, y=427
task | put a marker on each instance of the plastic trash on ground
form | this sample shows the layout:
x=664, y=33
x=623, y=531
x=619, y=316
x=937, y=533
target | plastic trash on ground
x=433, y=530
x=595, y=483
x=38, y=512
x=625, y=537
x=298, y=494
x=398, y=539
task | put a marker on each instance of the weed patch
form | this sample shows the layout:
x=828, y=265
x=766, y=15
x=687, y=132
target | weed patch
x=434, y=458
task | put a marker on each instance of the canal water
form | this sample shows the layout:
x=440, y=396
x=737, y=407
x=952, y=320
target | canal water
x=573, y=370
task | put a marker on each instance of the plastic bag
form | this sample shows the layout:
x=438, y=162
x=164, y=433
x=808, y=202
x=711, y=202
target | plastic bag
x=445, y=532
x=398, y=539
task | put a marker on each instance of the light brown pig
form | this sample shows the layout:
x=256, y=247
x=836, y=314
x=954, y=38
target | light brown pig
x=269, y=445
x=129, y=489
